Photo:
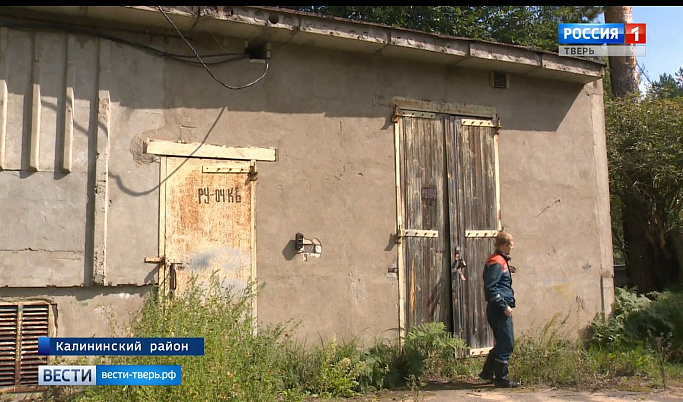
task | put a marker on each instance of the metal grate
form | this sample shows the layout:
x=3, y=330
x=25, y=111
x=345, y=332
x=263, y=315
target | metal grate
x=9, y=318
x=20, y=326
x=499, y=80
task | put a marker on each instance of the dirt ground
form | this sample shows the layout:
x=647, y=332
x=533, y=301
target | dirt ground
x=477, y=391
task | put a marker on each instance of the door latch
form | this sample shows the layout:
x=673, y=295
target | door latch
x=172, y=269
x=460, y=264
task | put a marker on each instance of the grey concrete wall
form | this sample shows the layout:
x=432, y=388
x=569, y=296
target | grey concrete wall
x=328, y=114
x=137, y=102
x=88, y=311
x=554, y=198
x=333, y=180
x=44, y=208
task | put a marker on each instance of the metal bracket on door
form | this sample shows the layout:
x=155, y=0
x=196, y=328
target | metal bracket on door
x=224, y=169
x=476, y=122
x=481, y=234
x=432, y=234
x=412, y=113
x=234, y=167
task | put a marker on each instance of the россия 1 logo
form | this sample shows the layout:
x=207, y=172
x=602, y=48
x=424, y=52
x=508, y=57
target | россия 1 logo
x=601, y=39
x=601, y=34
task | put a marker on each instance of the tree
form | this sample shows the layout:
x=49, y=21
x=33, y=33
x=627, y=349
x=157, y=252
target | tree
x=645, y=146
x=623, y=69
x=640, y=250
x=667, y=86
x=532, y=26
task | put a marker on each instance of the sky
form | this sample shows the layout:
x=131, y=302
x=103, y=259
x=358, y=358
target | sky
x=664, y=47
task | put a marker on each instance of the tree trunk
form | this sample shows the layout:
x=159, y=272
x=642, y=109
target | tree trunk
x=675, y=242
x=639, y=250
x=623, y=69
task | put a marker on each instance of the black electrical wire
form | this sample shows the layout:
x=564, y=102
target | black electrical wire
x=204, y=64
x=226, y=57
x=177, y=57
x=78, y=30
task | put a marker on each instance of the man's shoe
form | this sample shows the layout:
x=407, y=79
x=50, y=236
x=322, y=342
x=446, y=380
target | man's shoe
x=506, y=383
x=486, y=376
x=502, y=380
x=487, y=373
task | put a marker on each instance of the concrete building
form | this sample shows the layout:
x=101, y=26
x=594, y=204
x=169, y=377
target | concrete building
x=354, y=172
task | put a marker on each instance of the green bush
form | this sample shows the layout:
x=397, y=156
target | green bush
x=654, y=321
x=430, y=348
x=347, y=368
x=339, y=367
x=621, y=362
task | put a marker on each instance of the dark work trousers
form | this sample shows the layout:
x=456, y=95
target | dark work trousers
x=503, y=332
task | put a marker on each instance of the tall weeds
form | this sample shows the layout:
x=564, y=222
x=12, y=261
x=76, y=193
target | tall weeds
x=641, y=340
x=241, y=364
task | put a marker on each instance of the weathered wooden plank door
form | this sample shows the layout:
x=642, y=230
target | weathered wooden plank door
x=424, y=231
x=474, y=219
x=207, y=222
x=448, y=179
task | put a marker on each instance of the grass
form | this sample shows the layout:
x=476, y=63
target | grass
x=241, y=365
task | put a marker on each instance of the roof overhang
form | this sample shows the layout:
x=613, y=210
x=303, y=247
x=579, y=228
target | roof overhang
x=267, y=24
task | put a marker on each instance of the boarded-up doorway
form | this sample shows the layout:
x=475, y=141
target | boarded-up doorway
x=449, y=210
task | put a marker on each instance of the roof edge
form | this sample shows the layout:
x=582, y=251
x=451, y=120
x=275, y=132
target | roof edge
x=259, y=23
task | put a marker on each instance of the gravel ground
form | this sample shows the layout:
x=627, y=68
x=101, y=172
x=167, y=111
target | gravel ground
x=477, y=391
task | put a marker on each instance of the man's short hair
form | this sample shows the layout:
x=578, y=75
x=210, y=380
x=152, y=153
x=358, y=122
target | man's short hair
x=503, y=238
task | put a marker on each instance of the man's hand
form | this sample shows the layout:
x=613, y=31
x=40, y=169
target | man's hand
x=508, y=311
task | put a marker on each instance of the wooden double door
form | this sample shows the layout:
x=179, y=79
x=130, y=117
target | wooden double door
x=449, y=212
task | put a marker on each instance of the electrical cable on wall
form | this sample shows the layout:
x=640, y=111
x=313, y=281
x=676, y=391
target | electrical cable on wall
x=227, y=57
x=202, y=61
x=35, y=25
x=73, y=29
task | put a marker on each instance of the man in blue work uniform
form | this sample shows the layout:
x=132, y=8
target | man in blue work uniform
x=500, y=301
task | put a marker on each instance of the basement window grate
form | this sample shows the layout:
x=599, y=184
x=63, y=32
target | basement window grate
x=20, y=326
x=500, y=80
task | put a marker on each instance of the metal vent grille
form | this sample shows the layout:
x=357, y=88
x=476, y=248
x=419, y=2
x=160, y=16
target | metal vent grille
x=499, y=80
x=20, y=326
x=9, y=317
